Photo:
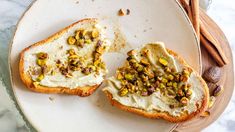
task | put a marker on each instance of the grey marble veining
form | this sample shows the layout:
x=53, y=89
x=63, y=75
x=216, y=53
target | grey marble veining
x=222, y=11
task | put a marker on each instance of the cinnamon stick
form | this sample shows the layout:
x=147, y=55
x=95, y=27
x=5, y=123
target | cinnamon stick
x=207, y=39
x=210, y=39
x=194, y=4
x=212, y=51
x=187, y=9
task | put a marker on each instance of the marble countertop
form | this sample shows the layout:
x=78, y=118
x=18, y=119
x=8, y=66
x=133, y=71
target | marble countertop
x=222, y=11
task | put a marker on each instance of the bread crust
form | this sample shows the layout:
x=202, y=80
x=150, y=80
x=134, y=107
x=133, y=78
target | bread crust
x=165, y=115
x=26, y=78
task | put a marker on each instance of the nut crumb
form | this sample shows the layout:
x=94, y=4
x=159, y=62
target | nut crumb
x=51, y=98
x=61, y=47
x=77, y=2
x=145, y=30
x=128, y=11
x=121, y=12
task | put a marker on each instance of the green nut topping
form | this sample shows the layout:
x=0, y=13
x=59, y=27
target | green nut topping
x=42, y=55
x=71, y=40
x=95, y=34
x=163, y=61
x=122, y=92
x=40, y=77
x=129, y=77
x=141, y=76
x=184, y=101
x=41, y=62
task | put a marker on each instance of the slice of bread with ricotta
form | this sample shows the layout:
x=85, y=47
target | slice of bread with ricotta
x=68, y=62
x=157, y=83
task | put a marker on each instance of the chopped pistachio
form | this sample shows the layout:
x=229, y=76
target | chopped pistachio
x=131, y=53
x=140, y=68
x=144, y=93
x=77, y=34
x=42, y=55
x=53, y=72
x=144, y=78
x=177, y=78
x=93, y=68
x=80, y=42
x=97, y=56
x=144, y=61
x=186, y=72
x=124, y=82
x=180, y=92
x=119, y=76
x=164, y=80
x=184, y=100
x=211, y=101
x=99, y=49
x=134, y=61
x=161, y=86
x=205, y=114
x=95, y=33
x=169, y=84
x=189, y=93
x=87, y=41
x=73, y=56
x=170, y=91
x=84, y=32
x=122, y=92
x=97, y=62
x=86, y=70
x=71, y=40
x=35, y=84
x=163, y=61
x=129, y=77
x=170, y=77
x=102, y=65
x=68, y=75
x=184, y=78
x=41, y=62
x=174, y=84
x=145, y=52
x=71, y=52
x=167, y=69
x=40, y=77
x=152, y=80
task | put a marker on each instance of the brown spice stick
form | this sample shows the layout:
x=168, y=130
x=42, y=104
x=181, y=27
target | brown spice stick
x=194, y=4
x=214, y=44
x=187, y=9
x=212, y=50
x=212, y=47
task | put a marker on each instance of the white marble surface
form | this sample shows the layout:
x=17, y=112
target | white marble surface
x=222, y=11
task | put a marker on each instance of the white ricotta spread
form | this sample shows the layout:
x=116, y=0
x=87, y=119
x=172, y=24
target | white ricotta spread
x=57, y=50
x=157, y=101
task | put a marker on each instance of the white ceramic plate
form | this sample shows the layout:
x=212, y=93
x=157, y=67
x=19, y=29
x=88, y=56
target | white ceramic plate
x=149, y=20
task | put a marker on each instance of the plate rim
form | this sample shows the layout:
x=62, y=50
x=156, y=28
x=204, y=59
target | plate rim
x=30, y=125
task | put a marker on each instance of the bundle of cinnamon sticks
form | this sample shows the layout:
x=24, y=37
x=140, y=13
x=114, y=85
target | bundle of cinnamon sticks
x=207, y=39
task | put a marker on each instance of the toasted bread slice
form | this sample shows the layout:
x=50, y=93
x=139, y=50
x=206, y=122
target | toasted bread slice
x=68, y=62
x=133, y=102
